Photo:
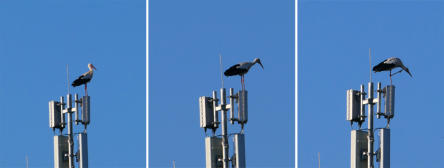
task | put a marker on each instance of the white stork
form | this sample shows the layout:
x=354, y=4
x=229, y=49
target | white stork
x=85, y=78
x=389, y=64
x=241, y=69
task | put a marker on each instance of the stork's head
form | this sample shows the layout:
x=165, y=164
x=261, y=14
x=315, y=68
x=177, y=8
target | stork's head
x=403, y=67
x=91, y=67
x=407, y=70
x=257, y=60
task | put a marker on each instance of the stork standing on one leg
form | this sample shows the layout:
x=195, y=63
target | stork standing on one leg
x=389, y=64
x=85, y=78
x=241, y=69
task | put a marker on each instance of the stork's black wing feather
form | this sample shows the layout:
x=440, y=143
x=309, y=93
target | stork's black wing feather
x=233, y=70
x=383, y=67
x=80, y=81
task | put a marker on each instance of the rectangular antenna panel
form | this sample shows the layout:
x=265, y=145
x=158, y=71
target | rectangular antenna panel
x=358, y=146
x=83, y=150
x=55, y=115
x=85, y=110
x=384, y=145
x=353, y=105
x=239, y=151
x=206, y=112
x=60, y=149
x=242, y=106
x=389, y=93
x=213, y=151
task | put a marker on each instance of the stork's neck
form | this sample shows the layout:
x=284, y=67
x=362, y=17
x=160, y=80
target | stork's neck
x=402, y=66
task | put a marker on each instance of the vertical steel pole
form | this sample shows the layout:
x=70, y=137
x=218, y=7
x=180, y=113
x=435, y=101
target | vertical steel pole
x=370, y=126
x=231, y=106
x=70, y=139
x=224, y=128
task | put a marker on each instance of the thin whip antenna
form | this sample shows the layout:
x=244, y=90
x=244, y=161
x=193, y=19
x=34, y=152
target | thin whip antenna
x=67, y=77
x=319, y=160
x=370, y=62
x=221, y=76
x=174, y=164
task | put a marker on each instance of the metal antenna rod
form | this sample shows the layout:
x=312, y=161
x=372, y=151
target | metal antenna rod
x=224, y=128
x=319, y=160
x=370, y=126
x=370, y=62
x=220, y=65
x=70, y=137
x=67, y=78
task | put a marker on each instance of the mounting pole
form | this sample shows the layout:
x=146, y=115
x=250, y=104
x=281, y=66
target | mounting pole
x=370, y=126
x=224, y=128
x=370, y=62
x=70, y=138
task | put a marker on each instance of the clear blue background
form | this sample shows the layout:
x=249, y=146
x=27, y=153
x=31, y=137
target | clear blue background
x=334, y=39
x=185, y=40
x=37, y=40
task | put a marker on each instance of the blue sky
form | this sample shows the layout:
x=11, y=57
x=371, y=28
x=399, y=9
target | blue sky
x=334, y=37
x=185, y=40
x=37, y=40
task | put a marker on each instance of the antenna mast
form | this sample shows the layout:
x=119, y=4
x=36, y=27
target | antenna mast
x=370, y=62
x=220, y=65
x=67, y=78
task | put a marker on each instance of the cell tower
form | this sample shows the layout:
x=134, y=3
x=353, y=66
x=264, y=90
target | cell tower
x=64, y=143
x=362, y=140
x=216, y=146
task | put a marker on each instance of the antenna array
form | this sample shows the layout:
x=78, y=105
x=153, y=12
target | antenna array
x=64, y=155
x=217, y=146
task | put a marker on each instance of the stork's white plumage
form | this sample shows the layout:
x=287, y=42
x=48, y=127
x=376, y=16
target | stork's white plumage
x=85, y=78
x=389, y=64
x=241, y=69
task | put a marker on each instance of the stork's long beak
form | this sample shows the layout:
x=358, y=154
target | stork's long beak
x=92, y=66
x=407, y=70
x=261, y=64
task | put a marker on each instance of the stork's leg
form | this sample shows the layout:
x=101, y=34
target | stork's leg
x=388, y=123
x=397, y=72
x=242, y=82
x=86, y=89
x=390, y=77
